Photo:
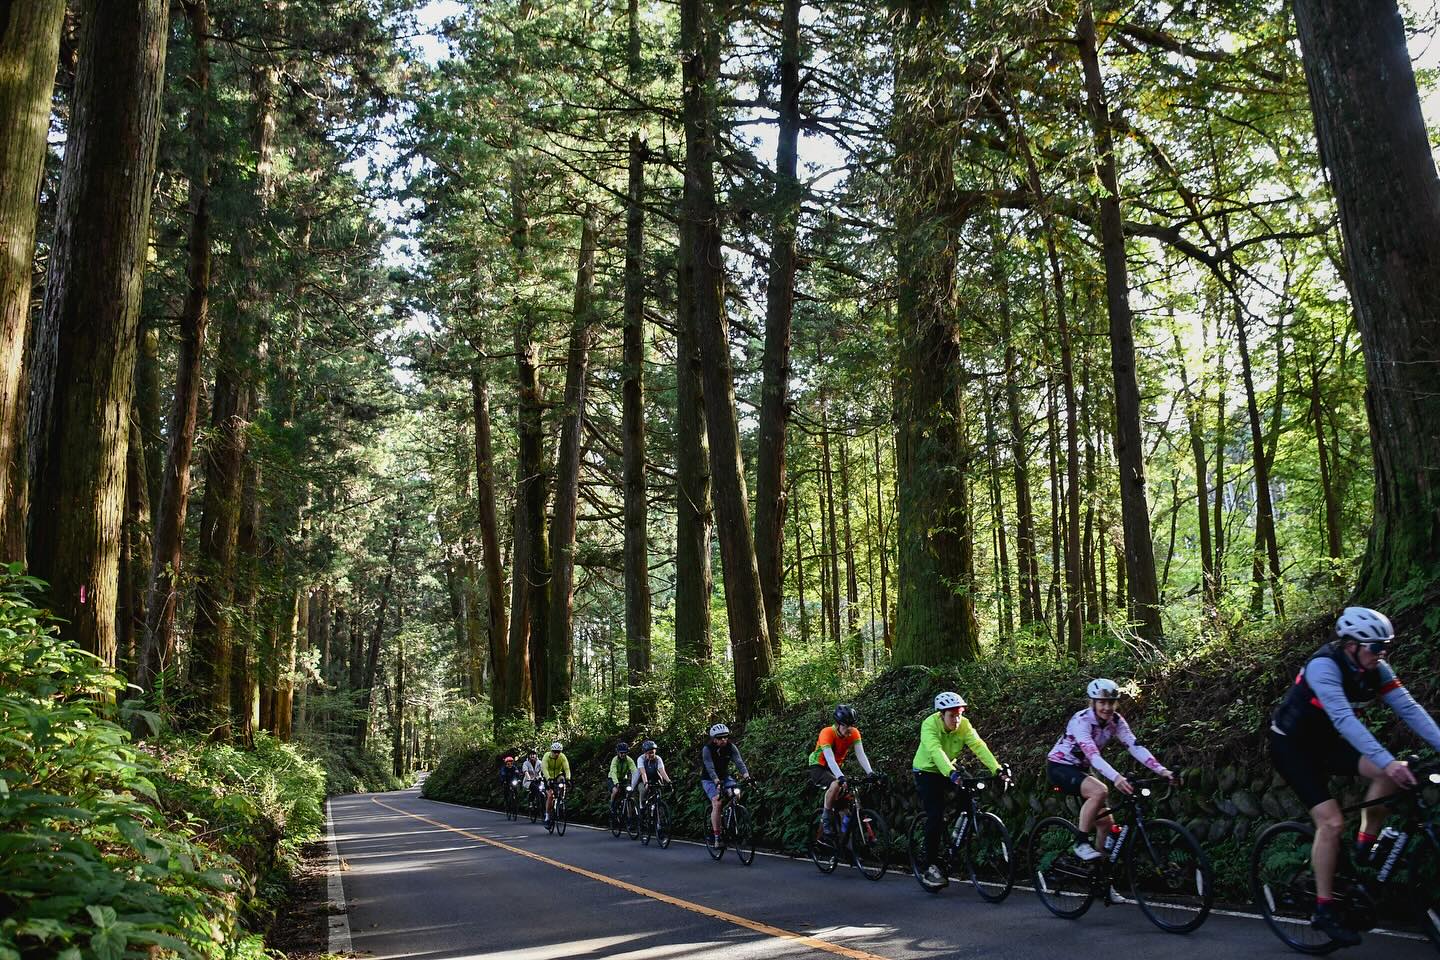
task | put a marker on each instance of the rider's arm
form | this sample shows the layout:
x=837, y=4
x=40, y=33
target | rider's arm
x=1079, y=729
x=566, y=761
x=977, y=746
x=660, y=770
x=864, y=760
x=930, y=746
x=829, y=756
x=739, y=761
x=1125, y=735
x=707, y=756
x=1397, y=698
x=1323, y=675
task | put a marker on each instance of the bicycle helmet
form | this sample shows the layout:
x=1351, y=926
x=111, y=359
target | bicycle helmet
x=508, y=759
x=948, y=701
x=647, y=746
x=1364, y=625
x=532, y=754
x=844, y=713
x=557, y=746
x=622, y=747
x=1102, y=689
x=719, y=730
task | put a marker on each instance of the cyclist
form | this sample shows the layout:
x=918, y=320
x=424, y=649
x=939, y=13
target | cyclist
x=622, y=768
x=1075, y=759
x=716, y=756
x=553, y=766
x=508, y=772
x=651, y=769
x=530, y=773
x=943, y=734
x=1315, y=734
x=832, y=746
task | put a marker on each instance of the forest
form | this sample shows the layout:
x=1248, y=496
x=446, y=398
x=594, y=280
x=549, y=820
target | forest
x=387, y=382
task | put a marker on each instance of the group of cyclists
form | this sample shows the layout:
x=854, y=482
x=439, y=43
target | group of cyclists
x=1315, y=734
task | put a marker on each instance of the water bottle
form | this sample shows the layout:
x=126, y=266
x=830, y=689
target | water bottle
x=844, y=823
x=1389, y=847
x=959, y=829
x=1110, y=837
x=1117, y=840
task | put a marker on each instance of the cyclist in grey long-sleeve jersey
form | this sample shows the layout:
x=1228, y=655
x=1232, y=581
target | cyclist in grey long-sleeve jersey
x=1315, y=734
x=715, y=760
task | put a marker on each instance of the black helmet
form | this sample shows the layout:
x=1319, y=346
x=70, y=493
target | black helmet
x=845, y=714
x=622, y=747
x=647, y=746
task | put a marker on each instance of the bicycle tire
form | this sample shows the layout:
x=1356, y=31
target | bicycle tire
x=717, y=849
x=560, y=818
x=646, y=824
x=1170, y=876
x=744, y=834
x=1284, y=887
x=534, y=809
x=990, y=858
x=616, y=826
x=662, y=824
x=915, y=850
x=822, y=851
x=1062, y=882
x=870, y=844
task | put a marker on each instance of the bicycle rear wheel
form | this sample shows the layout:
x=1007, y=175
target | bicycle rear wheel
x=662, y=824
x=1170, y=876
x=744, y=835
x=822, y=847
x=1062, y=881
x=870, y=844
x=1284, y=886
x=989, y=858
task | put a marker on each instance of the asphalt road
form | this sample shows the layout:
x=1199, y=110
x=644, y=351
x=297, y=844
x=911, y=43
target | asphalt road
x=433, y=880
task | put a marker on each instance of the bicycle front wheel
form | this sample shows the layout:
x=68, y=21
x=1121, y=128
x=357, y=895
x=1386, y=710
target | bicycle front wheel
x=822, y=848
x=989, y=858
x=870, y=844
x=717, y=848
x=915, y=847
x=744, y=835
x=534, y=809
x=560, y=819
x=1284, y=886
x=632, y=820
x=1170, y=876
x=616, y=824
x=647, y=824
x=1063, y=882
x=662, y=824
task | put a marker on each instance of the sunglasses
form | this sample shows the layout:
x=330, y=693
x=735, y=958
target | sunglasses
x=1378, y=647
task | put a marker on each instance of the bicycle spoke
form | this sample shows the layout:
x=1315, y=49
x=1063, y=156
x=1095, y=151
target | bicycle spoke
x=990, y=858
x=1284, y=886
x=870, y=844
x=1169, y=876
x=1062, y=881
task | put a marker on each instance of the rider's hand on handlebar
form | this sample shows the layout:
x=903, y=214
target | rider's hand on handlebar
x=1123, y=785
x=1399, y=773
x=955, y=776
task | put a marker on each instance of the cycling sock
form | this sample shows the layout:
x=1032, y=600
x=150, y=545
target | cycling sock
x=1322, y=902
x=1365, y=839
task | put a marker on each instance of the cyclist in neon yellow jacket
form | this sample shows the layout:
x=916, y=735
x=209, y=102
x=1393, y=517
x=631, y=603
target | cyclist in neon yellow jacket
x=944, y=735
x=553, y=766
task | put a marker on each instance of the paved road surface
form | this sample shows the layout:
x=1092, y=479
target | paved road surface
x=420, y=882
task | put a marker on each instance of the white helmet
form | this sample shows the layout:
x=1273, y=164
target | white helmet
x=719, y=730
x=1102, y=689
x=557, y=746
x=948, y=701
x=1365, y=625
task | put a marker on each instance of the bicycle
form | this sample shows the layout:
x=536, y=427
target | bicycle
x=735, y=827
x=863, y=834
x=624, y=818
x=512, y=799
x=558, y=820
x=1393, y=884
x=1168, y=872
x=655, y=817
x=978, y=838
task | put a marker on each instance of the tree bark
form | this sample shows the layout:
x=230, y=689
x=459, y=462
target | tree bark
x=827, y=523
x=567, y=479
x=1265, y=544
x=852, y=582
x=1028, y=564
x=693, y=517
x=366, y=680
x=770, y=487
x=83, y=381
x=1129, y=447
x=29, y=54
x=1195, y=423
x=889, y=636
x=1334, y=547
x=702, y=27
x=510, y=673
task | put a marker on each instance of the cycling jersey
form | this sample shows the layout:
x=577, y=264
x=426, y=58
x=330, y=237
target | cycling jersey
x=715, y=764
x=940, y=748
x=1330, y=689
x=530, y=770
x=552, y=766
x=652, y=769
x=621, y=767
x=1085, y=736
x=839, y=746
x=507, y=774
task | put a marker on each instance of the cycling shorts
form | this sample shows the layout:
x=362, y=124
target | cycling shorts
x=1066, y=776
x=820, y=775
x=710, y=789
x=1308, y=763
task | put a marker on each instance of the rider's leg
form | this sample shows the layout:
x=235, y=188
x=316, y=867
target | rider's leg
x=1373, y=818
x=1329, y=821
x=933, y=790
x=715, y=814
x=831, y=792
x=1094, y=793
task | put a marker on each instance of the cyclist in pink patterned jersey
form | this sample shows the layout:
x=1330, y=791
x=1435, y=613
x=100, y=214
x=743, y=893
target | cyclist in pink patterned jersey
x=1077, y=753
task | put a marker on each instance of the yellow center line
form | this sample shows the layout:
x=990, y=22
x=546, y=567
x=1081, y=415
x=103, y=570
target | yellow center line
x=739, y=921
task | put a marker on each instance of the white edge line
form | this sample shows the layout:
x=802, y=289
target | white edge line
x=340, y=943
x=1398, y=934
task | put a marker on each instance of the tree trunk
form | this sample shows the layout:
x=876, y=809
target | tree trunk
x=997, y=509
x=799, y=568
x=567, y=479
x=162, y=596
x=1129, y=447
x=884, y=553
x=1265, y=544
x=1057, y=505
x=1334, y=547
x=1074, y=576
x=29, y=52
x=1029, y=566
x=770, y=487
x=366, y=684
x=692, y=505
x=83, y=381
x=832, y=552
x=852, y=582
x=702, y=27
x=1195, y=422
x=509, y=668
x=1221, y=438
x=135, y=554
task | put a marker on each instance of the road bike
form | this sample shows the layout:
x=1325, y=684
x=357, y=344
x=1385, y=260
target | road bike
x=512, y=799
x=1399, y=880
x=977, y=838
x=535, y=799
x=1168, y=873
x=736, y=829
x=624, y=818
x=654, y=817
x=861, y=835
x=559, y=819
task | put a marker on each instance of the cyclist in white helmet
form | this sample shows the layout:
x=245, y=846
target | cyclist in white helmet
x=944, y=734
x=554, y=766
x=715, y=759
x=1075, y=759
x=1315, y=734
